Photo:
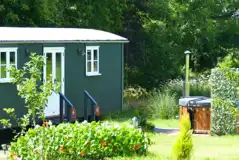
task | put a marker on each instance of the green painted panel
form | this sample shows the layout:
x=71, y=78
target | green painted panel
x=106, y=88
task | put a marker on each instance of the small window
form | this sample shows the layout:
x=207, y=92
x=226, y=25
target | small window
x=92, y=60
x=8, y=58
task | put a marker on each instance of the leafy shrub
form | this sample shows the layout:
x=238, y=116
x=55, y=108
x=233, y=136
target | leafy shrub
x=198, y=87
x=221, y=86
x=143, y=116
x=135, y=96
x=224, y=94
x=231, y=60
x=79, y=141
x=223, y=119
x=183, y=146
x=174, y=87
x=135, y=93
x=163, y=105
x=35, y=94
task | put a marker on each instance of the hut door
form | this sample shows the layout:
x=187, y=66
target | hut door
x=54, y=71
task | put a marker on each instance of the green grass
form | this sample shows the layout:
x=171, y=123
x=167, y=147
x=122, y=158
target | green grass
x=165, y=123
x=205, y=147
x=126, y=116
x=2, y=156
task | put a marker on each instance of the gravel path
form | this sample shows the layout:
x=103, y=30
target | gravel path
x=166, y=131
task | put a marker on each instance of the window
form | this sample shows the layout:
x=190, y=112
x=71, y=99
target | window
x=92, y=60
x=8, y=58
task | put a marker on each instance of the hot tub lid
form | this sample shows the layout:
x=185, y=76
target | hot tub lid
x=195, y=101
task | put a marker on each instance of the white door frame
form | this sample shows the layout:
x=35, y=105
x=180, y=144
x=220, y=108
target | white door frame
x=53, y=51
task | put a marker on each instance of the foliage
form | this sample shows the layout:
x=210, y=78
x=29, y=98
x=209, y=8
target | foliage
x=28, y=81
x=198, y=87
x=183, y=146
x=80, y=141
x=231, y=73
x=64, y=13
x=143, y=118
x=134, y=97
x=168, y=28
x=163, y=105
x=230, y=61
x=223, y=120
x=221, y=86
x=159, y=54
x=224, y=94
x=135, y=93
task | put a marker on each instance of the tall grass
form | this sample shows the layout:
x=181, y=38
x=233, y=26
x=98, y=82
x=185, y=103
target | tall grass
x=198, y=87
x=163, y=104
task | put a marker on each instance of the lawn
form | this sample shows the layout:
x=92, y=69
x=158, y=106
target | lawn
x=126, y=116
x=2, y=156
x=205, y=147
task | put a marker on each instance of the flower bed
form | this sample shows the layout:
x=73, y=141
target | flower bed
x=79, y=141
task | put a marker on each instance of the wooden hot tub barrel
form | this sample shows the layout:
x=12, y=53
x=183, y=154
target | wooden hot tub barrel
x=198, y=109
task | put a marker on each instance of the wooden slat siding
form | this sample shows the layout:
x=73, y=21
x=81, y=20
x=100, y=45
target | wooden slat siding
x=202, y=118
x=183, y=111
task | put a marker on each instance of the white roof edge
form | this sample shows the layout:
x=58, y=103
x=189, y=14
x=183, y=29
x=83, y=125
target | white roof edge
x=57, y=35
x=20, y=42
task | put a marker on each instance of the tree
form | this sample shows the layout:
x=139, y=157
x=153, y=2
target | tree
x=35, y=93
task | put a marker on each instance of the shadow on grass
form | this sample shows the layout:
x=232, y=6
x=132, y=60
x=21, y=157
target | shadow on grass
x=125, y=117
x=120, y=117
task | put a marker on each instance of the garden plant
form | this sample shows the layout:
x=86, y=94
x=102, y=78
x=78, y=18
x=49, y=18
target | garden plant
x=80, y=141
x=183, y=146
x=224, y=83
x=35, y=93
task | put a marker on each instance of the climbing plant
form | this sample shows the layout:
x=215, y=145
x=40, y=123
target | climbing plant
x=224, y=84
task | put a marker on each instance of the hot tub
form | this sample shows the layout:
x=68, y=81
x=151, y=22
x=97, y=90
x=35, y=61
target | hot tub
x=198, y=109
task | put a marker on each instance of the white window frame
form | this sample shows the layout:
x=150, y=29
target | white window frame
x=8, y=50
x=92, y=72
